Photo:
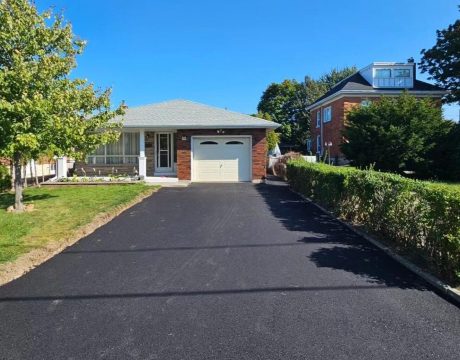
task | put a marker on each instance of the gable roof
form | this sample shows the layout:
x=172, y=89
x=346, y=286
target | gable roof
x=185, y=114
x=356, y=83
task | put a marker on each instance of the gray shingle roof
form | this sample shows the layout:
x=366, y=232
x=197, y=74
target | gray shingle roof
x=184, y=114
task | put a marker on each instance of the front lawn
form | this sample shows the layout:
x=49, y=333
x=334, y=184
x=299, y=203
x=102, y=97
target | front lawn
x=58, y=213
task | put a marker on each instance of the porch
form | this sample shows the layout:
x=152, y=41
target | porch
x=148, y=153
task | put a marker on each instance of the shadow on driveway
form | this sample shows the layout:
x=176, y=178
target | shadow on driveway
x=342, y=249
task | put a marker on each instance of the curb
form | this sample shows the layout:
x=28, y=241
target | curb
x=445, y=289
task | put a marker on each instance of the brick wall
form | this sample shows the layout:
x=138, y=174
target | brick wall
x=332, y=130
x=149, y=152
x=259, y=150
x=104, y=170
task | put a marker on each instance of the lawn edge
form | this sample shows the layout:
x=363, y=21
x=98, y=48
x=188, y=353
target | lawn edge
x=24, y=263
x=441, y=286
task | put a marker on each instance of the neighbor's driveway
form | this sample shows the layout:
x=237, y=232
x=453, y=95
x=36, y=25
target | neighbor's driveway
x=231, y=271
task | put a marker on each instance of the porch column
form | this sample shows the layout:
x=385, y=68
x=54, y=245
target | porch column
x=61, y=167
x=142, y=159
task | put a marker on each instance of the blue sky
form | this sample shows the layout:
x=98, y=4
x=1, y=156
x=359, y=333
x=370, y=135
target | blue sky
x=225, y=53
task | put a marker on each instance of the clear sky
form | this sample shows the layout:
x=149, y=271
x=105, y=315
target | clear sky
x=225, y=53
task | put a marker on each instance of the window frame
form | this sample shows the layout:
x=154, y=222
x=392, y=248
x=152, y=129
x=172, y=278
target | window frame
x=125, y=159
x=382, y=77
x=327, y=111
x=318, y=119
x=318, y=144
x=400, y=76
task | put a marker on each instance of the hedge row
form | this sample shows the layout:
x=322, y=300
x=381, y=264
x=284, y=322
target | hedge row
x=414, y=215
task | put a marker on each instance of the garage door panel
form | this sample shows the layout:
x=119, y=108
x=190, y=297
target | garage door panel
x=221, y=159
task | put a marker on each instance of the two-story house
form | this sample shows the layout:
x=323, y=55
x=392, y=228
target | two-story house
x=328, y=113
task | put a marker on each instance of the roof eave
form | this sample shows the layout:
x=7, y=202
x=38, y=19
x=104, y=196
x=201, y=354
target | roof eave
x=376, y=92
x=191, y=127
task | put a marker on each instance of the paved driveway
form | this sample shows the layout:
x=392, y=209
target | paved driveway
x=231, y=271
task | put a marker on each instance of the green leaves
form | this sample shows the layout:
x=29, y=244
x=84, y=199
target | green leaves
x=395, y=134
x=42, y=111
x=442, y=61
x=286, y=103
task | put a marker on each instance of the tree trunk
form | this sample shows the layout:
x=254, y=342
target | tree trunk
x=25, y=176
x=18, y=185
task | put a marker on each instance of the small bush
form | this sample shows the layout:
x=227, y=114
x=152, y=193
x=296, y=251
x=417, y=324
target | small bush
x=279, y=169
x=5, y=179
x=414, y=215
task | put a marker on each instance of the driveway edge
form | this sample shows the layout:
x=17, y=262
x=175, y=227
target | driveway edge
x=452, y=293
x=29, y=261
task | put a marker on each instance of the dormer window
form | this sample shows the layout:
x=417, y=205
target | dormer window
x=401, y=73
x=382, y=73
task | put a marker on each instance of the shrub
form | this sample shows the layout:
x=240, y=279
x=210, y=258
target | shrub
x=414, y=215
x=279, y=169
x=5, y=179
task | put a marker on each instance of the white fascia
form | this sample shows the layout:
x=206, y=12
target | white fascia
x=373, y=93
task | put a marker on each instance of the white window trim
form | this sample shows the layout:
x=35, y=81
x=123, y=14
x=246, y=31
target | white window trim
x=329, y=110
x=318, y=144
x=125, y=157
x=318, y=119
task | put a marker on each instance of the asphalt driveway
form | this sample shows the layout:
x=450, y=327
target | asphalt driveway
x=224, y=271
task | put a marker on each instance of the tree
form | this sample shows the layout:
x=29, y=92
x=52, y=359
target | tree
x=42, y=110
x=286, y=103
x=442, y=61
x=276, y=102
x=395, y=134
x=446, y=155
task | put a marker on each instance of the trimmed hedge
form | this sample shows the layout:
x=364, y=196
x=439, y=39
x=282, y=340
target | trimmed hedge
x=414, y=215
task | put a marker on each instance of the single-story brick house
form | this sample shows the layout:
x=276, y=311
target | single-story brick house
x=328, y=113
x=187, y=140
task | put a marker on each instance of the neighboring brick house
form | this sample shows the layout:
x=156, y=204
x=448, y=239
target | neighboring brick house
x=187, y=141
x=328, y=113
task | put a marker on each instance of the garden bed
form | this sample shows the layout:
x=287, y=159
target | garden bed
x=94, y=180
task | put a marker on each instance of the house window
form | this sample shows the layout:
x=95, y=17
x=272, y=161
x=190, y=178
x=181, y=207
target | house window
x=401, y=73
x=308, y=145
x=318, y=143
x=327, y=114
x=318, y=119
x=365, y=103
x=124, y=151
x=382, y=73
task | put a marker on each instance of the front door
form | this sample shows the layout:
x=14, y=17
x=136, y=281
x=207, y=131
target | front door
x=164, y=155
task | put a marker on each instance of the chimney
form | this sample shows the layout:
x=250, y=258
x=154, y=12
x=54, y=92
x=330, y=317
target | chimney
x=414, y=67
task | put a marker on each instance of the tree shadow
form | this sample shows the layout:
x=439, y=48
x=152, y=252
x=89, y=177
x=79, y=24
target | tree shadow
x=7, y=199
x=369, y=263
x=343, y=249
x=295, y=214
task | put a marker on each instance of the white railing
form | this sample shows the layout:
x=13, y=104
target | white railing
x=396, y=82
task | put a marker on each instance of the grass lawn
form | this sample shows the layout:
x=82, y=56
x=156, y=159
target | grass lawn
x=58, y=213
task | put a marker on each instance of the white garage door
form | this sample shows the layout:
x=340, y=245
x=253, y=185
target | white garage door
x=221, y=159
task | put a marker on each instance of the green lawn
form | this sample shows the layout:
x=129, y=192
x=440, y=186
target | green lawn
x=58, y=213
